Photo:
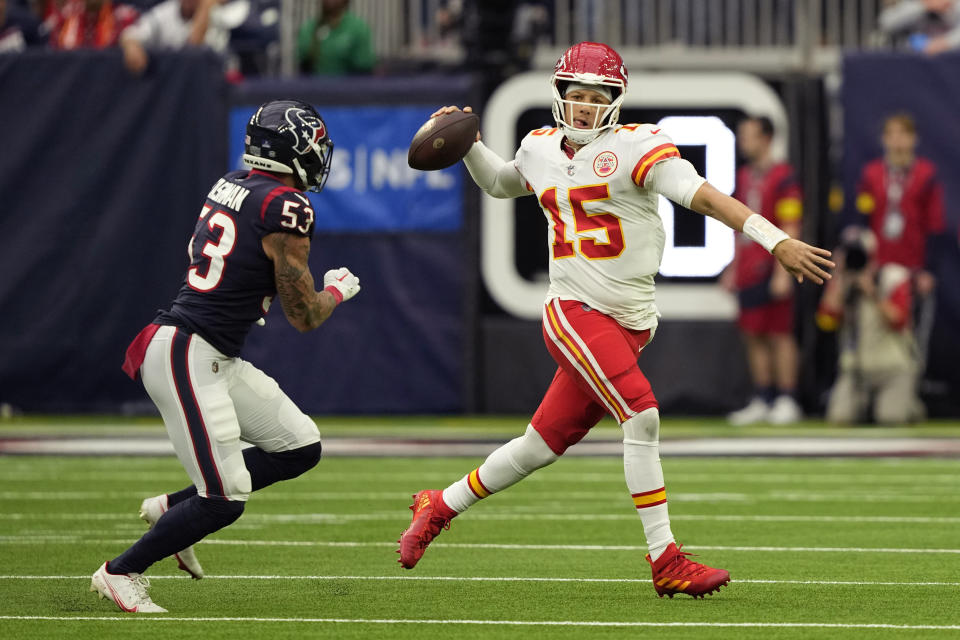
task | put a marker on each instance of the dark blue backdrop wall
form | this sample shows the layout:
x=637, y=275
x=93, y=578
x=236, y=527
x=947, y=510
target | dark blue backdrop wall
x=875, y=86
x=100, y=177
x=101, y=181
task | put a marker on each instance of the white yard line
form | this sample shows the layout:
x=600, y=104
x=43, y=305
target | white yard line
x=479, y=545
x=945, y=490
x=857, y=583
x=498, y=515
x=943, y=493
x=614, y=476
x=586, y=547
x=510, y=623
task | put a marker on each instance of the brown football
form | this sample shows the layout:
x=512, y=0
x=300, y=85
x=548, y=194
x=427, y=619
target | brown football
x=442, y=141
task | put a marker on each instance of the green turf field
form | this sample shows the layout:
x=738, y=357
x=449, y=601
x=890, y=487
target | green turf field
x=817, y=548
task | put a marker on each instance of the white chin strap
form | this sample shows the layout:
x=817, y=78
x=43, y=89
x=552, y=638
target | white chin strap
x=256, y=162
x=580, y=136
x=302, y=174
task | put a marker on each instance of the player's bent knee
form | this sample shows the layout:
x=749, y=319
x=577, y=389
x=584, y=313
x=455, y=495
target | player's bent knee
x=643, y=428
x=306, y=458
x=298, y=461
x=221, y=511
x=635, y=389
x=559, y=438
x=237, y=486
x=530, y=452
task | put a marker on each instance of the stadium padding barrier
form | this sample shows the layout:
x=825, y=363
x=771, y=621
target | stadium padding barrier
x=101, y=180
x=103, y=173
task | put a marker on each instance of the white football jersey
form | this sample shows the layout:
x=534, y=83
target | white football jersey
x=606, y=238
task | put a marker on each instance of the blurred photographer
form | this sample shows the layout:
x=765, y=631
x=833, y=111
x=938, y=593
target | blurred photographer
x=900, y=199
x=870, y=304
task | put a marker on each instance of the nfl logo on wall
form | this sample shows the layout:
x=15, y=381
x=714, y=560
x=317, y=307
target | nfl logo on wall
x=605, y=164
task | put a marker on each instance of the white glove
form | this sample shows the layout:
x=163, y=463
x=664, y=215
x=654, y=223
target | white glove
x=341, y=284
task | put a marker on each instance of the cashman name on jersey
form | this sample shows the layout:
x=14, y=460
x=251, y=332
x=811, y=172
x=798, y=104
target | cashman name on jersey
x=228, y=194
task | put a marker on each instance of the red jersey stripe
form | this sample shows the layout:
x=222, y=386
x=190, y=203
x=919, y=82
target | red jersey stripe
x=273, y=194
x=647, y=156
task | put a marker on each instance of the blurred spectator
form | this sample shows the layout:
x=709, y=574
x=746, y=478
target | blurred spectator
x=89, y=24
x=19, y=28
x=902, y=198
x=449, y=23
x=174, y=24
x=764, y=289
x=930, y=26
x=879, y=364
x=440, y=43
x=255, y=42
x=337, y=43
x=531, y=29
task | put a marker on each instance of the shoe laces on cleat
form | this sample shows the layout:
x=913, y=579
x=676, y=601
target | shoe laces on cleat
x=140, y=584
x=435, y=525
x=682, y=567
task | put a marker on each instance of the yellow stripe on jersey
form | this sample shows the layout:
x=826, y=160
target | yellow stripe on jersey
x=655, y=155
x=866, y=203
x=827, y=321
x=621, y=416
x=788, y=209
x=475, y=485
x=835, y=199
x=650, y=499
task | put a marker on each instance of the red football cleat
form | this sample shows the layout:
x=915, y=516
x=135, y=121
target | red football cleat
x=430, y=517
x=673, y=573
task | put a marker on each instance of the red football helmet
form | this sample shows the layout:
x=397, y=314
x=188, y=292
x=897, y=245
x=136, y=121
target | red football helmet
x=589, y=63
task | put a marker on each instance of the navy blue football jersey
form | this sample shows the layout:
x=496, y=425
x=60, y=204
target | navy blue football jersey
x=230, y=282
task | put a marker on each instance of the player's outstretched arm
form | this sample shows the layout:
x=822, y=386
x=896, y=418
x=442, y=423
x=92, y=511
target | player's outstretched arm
x=305, y=307
x=800, y=259
x=497, y=177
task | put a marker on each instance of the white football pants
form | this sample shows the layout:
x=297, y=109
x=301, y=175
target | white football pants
x=210, y=403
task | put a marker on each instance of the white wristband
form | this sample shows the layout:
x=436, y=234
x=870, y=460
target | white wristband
x=764, y=232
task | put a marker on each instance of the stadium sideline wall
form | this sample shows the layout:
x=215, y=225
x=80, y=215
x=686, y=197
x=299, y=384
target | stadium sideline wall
x=100, y=184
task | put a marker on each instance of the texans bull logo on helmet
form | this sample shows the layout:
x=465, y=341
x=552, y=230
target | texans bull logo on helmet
x=306, y=128
x=290, y=137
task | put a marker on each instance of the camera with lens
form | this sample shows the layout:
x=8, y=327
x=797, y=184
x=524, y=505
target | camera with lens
x=855, y=256
x=857, y=245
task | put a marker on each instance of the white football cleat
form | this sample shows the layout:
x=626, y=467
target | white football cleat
x=128, y=591
x=754, y=412
x=150, y=511
x=785, y=410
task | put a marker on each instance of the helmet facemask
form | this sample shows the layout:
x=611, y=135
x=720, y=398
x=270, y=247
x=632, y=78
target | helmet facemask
x=591, y=64
x=605, y=116
x=312, y=168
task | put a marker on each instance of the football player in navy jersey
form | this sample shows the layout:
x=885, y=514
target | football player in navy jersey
x=251, y=242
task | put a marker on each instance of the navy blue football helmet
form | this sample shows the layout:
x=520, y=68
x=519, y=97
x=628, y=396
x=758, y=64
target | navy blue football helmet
x=289, y=136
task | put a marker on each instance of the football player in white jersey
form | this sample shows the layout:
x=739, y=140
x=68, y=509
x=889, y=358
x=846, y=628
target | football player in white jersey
x=598, y=183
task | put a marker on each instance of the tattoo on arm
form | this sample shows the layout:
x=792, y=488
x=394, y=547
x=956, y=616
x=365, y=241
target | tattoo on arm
x=305, y=307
